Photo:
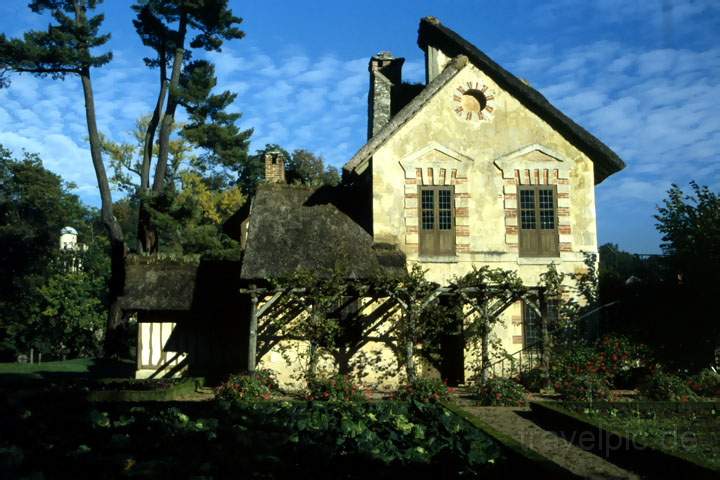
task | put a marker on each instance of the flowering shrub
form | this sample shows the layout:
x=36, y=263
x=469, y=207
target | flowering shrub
x=618, y=353
x=666, y=386
x=583, y=387
x=243, y=387
x=500, y=392
x=706, y=383
x=616, y=358
x=423, y=390
x=336, y=388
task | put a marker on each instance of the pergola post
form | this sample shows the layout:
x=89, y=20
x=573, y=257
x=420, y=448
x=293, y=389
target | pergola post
x=545, y=339
x=252, y=331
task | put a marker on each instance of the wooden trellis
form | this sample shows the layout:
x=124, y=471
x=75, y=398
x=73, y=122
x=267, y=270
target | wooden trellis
x=286, y=305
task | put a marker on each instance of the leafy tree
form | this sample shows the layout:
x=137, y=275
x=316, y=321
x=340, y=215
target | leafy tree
x=71, y=309
x=189, y=213
x=66, y=49
x=690, y=225
x=34, y=205
x=301, y=167
x=666, y=301
x=174, y=29
x=307, y=168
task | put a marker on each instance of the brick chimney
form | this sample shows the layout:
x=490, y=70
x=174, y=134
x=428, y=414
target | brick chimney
x=274, y=167
x=385, y=74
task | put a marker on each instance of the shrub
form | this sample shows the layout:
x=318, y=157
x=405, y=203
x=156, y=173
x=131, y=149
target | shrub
x=336, y=388
x=583, y=387
x=423, y=390
x=500, y=392
x=243, y=387
x=666, y=386
x=533, y=380
x=618, y=353
x=706, y=383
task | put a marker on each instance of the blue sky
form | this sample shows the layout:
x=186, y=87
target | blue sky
x=641, y=75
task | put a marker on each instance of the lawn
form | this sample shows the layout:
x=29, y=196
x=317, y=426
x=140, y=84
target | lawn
x=76, y=368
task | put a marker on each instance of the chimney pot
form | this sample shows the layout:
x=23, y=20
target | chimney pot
x=274, y=167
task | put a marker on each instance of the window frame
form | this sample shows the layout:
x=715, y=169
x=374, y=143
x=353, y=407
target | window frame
x=552, y=313
x=431, y=240
x=538, y=241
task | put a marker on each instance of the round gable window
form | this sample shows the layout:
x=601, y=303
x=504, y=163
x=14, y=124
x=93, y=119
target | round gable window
x=474, y=101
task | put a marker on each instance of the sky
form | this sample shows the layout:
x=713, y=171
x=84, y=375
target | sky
x=641, y=75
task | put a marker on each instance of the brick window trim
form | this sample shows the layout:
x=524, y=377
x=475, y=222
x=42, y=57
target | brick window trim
x=535, y=165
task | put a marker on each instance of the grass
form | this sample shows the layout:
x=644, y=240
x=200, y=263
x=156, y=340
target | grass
x=76, y=368
x=694, y=434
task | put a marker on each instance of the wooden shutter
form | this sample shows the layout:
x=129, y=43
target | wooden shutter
x=537, y=218
x=436, y=221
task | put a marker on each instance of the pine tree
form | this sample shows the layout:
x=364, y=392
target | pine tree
x=166, y=26
x=66, y=49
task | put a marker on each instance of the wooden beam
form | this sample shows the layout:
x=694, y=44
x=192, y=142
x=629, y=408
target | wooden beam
x=261, y=311
x=252, y=332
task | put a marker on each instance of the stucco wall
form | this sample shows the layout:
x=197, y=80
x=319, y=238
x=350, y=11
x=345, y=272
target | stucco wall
x=438, y=138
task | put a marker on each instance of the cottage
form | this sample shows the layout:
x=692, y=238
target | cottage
x=475, y=167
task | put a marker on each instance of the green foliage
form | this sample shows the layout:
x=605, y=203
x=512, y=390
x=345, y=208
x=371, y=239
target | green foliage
x=617, y=353
x=661, y=385
x=583, y=387
x=500, y=392
x=690, y=432
x=248, y=388
x=424, y=390
x=246, y=440
x=533, y=380
x=307, y=168
x=43, y=295
x=64, y=48
x=211, y=127
x=301, y=167
x=690, y=225
x=706, y=383
x=334, y=388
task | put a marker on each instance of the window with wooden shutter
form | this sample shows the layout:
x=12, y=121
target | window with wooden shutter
x=437, y=221
x=538, y=232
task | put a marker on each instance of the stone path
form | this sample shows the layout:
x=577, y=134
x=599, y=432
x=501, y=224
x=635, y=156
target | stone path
x=509, y=421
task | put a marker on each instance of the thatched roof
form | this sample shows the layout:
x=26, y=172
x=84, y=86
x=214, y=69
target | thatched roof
x=294, y=227
x=435, y=34
x=158, y=284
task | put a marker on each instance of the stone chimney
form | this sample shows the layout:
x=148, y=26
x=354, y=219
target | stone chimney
x=385, y=74
x=274, y=167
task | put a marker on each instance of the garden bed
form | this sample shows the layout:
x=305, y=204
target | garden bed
x=248, y=440
x=665, y=439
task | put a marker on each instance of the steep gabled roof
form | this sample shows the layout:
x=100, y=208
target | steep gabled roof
x=293, y=227
x=433, y=33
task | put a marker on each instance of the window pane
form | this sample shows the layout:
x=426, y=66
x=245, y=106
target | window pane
x=428, y=219
x=427, y=199
x=527, y=219
x=527, y=199
x=445, y=220
x=444, y=200
x=531, y=326
x=546, y=199
x=547, y=219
